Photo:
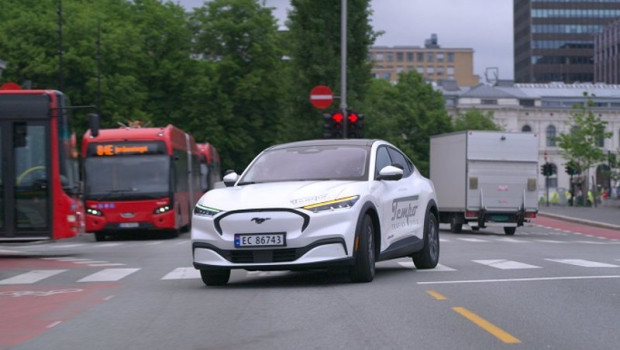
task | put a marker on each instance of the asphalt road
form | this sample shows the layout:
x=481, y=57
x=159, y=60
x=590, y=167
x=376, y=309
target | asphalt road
x=540, y=289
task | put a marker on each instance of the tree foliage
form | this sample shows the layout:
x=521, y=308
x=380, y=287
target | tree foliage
x=406, y=114
x=475, y=119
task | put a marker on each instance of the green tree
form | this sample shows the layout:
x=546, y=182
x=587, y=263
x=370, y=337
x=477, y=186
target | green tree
x=406, y=114
x=314, y=52
x=475, y=119
x=240, y=40
x=582, y=145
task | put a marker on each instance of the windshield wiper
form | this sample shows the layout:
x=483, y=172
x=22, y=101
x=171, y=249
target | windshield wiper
x=111, y=193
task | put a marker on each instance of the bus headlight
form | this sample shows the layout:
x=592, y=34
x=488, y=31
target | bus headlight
x=162, y=210
x=95, y=212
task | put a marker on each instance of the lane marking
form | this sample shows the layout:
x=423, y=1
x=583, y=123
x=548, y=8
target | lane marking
x=474, y=240
x=487, y=326
x=31, y=277
x=53, y=324
x=582, y=263
x=503, y=264
x=108, y=275
x=436, y=295
x=533, y=279
x=439, y=267
x=182, y=273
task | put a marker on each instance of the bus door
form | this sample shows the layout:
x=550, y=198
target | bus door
x=25, y=182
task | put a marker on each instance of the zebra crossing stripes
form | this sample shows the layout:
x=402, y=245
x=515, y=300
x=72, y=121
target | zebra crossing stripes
x=582, y=263
x=503, y=264
x=181, y=273
x=30, y=277
x=108, y=275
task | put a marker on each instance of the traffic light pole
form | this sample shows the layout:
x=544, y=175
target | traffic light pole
x=343, y=66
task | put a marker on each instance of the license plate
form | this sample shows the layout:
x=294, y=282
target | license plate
x=243, y=240
x=501, y=218
x=129, y=225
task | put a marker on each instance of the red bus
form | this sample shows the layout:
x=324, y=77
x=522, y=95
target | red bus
x=139, y=179
x=39, y=182
x=210, y=166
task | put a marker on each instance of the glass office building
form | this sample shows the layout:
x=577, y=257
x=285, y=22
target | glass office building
x=554, y=39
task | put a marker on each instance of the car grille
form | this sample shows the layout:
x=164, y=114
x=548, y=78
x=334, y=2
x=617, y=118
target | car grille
x=262, y=256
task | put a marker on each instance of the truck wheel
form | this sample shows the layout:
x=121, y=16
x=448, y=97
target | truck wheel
x=428, y=257
x=363, y=269
x=455, y=225
x=510, y=230
x=215, y=277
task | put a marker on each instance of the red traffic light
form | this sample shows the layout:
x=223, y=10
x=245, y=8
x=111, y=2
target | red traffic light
x=337, y=117
x=353, y=118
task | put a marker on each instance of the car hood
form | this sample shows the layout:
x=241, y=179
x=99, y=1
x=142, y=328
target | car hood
x=278, y=194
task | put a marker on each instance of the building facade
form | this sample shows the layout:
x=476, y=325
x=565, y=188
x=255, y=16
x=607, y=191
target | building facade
x=436, y=64
x=545, y=109
x=554, y=39
x=607, y=54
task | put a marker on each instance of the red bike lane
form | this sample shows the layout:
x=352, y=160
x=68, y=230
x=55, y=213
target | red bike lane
x=577, y=227
x=29, y=310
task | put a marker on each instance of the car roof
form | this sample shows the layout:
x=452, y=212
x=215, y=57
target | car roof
x=326, y=142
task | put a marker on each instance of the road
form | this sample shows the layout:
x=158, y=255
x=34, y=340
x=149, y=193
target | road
x=540, y=289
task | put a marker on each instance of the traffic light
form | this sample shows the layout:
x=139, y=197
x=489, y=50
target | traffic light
x=571, y=169
x=354, y=125
x=547, y=169
x=332, y=127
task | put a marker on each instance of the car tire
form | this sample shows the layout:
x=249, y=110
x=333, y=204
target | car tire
x=363, y=269
x=99, y=236
x=215, y=277
x=510, y=231
x=428, y=257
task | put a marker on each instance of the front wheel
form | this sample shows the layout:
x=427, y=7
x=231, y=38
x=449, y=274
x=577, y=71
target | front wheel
x=428, y=257
x=214, y=277
x=99, y=236
x=363, y=269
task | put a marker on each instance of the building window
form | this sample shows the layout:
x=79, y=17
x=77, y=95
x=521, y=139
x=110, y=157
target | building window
x=526, y=128
x=389, y=57
x=409, y=56
x=430, y=70
x=450, y=70
x=379, y=57
x=440, y=57
x=488, y=101
x=450, y=56
x=400, y=57
x=551, y=136
x=420, y=56
x=430, y=57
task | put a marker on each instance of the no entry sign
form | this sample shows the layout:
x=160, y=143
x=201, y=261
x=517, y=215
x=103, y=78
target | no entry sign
x=321, y=96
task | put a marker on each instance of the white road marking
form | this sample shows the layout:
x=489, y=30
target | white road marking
x=108, y=275
x=474, y=240
x=534, y=279
x=438, y=268
x=506, y=264
x=181, y=273
x=31, y=277
x=582, y=263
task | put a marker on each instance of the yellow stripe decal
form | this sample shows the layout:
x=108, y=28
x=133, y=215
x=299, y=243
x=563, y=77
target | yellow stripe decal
x=487, y=326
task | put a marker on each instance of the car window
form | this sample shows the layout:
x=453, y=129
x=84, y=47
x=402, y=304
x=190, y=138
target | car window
x=310, y=163
x=399, y=159
x=383, y=159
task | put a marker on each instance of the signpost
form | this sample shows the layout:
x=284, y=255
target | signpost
x=321, y=96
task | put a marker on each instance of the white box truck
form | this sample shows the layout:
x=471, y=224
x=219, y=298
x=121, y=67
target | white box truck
x=485, y=178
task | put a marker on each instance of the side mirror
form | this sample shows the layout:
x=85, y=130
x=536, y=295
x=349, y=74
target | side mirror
x=390, y=173
x=93, y=124
x=230, y=178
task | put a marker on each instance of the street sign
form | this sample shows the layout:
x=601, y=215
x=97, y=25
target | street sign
x=321, y=96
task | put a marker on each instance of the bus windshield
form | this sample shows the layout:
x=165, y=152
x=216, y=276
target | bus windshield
x=127, y=177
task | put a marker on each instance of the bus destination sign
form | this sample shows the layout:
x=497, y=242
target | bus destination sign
x=108, y=149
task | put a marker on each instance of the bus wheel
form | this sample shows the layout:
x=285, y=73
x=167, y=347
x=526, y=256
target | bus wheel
x=99, y=236
x=215, y=277
x=510, y=230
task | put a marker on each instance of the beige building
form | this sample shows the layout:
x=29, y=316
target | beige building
x=433, y=62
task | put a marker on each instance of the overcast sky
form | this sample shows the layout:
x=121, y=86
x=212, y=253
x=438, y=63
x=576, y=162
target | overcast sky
x=482, y=25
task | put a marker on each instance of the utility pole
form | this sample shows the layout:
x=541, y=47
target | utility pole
x=343, y=66
x=60, y=51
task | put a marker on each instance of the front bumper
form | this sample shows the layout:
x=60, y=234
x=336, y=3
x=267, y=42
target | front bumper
x=312, y=239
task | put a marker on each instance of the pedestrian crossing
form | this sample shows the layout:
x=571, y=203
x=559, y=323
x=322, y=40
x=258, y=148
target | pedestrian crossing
x=189, y=273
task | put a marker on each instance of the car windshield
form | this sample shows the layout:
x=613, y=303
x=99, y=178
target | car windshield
x=309, y=163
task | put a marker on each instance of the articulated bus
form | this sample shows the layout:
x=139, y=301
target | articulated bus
x=210, y=166
x=39, y=182
x=139, y=179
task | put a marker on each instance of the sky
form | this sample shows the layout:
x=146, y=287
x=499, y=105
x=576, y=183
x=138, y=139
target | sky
x=482, y=25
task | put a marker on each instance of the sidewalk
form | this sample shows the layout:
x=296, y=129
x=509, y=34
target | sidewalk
x=605, y=215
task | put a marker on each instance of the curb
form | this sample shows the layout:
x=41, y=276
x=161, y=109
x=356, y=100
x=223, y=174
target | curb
x=581, y=221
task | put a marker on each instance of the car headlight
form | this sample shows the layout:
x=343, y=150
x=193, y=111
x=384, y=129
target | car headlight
x=346, y=202
x=205, y=211
x=95, y=212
